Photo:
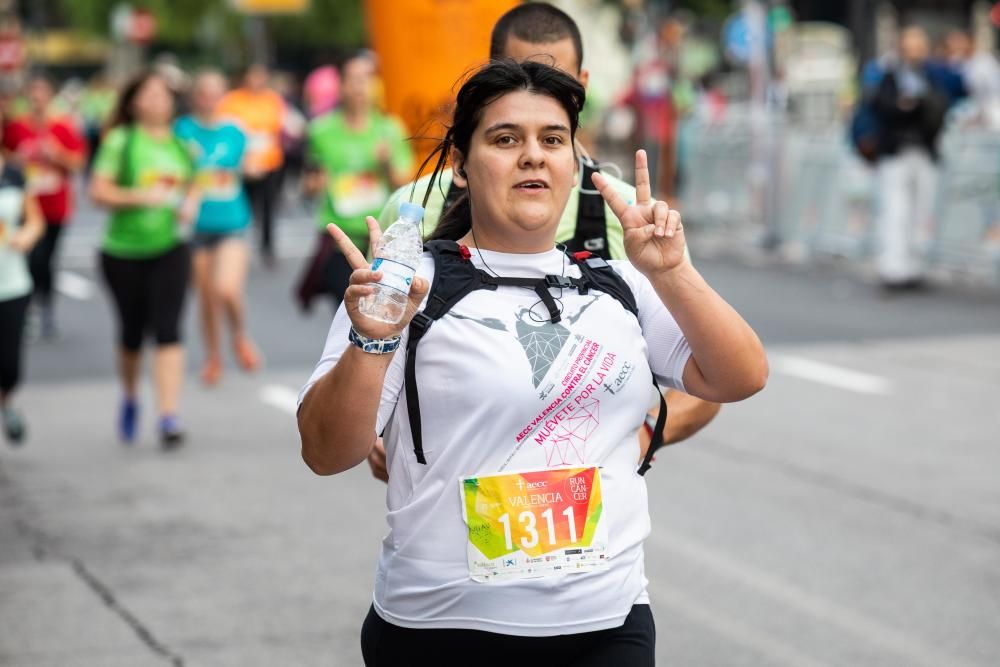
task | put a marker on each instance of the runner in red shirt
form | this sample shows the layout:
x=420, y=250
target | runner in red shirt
x=51, y=149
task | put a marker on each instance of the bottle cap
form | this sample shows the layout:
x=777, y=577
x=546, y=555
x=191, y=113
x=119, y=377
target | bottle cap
x=410, y=211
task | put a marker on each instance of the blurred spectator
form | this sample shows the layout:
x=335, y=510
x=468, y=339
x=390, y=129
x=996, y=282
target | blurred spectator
x=357, y=156
x=652, y=97
x=980, y=73
x=50, y=149
x=909, y=96
x=260, y=113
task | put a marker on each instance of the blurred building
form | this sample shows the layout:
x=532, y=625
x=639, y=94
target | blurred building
x=873, y=22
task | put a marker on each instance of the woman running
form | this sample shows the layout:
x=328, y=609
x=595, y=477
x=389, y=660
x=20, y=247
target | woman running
x=143, y=174
x=221, y=255
x=516, y=514
x=21, y=226
x=51, y=150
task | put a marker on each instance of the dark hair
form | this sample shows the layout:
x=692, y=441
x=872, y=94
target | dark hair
x=536, y=23
x=349, y=57
x=490, y=82
x=124, y=114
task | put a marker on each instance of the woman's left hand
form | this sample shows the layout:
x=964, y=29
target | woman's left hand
x=653, y=234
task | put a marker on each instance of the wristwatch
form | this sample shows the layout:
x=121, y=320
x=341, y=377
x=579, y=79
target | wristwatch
x=373, y=345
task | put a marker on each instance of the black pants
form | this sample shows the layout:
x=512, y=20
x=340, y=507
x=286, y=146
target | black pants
x=149, y=295
x=263, y=193
x=631, y=645
x=12, y=314
x=41, y=260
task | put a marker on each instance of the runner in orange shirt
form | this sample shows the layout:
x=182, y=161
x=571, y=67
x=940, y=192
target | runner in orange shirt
x=260, y=113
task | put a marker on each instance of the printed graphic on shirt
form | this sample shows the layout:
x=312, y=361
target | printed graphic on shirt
x=534, y=523
x=572, y=372
x=541, y=340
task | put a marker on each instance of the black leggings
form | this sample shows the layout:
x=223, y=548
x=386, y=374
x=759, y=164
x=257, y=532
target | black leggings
x=386, y=645
x=41, y=259
x=149, y=295
x=12, y=313
x=263, y=194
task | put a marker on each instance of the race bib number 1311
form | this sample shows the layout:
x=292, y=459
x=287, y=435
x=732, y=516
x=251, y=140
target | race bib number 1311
x=534, y=524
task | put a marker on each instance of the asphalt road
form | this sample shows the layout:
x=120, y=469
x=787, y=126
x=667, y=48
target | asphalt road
x=847, y=515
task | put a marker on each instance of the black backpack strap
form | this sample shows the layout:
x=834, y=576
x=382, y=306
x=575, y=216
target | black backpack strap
x=591, y=225
x=599, y=274
x=604, y=278
x=454, y=278
x=657, y=436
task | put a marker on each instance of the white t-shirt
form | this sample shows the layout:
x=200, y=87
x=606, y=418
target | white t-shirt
x=491, y=374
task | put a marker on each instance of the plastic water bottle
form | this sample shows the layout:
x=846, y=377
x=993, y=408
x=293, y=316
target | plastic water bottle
x=396, y=256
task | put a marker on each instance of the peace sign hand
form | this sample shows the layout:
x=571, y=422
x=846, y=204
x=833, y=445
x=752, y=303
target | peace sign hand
x=363, y=281
x=653, y=234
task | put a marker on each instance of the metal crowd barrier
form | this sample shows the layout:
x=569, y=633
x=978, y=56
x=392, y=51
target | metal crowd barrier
x=824, y=198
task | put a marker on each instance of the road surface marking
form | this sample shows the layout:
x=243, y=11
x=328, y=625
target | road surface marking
x=74, y=286
x=830, y=375
x=735, y=630
x=827, y=611
x=281, y=397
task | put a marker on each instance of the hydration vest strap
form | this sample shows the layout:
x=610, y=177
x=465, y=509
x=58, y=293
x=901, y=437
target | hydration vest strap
x=657, y=440
x=591, y=224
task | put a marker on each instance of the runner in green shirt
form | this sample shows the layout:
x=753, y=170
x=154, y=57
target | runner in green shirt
x=159, y=168
x=142, y=174
x=358, y=156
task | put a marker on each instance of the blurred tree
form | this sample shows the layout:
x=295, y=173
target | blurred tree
x=327, y=23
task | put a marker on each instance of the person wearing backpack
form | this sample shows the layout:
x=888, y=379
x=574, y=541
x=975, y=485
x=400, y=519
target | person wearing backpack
x=516, y=514
x=143, y=175
x=540, y=31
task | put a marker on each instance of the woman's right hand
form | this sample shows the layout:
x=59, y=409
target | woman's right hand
x=363, y=281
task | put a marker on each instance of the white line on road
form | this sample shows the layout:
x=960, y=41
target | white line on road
x=280, y=397
x=869, y=629
x=828, y=374
x=735, y=630
x=74, y=286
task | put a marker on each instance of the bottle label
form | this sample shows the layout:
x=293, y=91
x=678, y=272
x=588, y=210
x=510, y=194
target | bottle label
x=395, y=275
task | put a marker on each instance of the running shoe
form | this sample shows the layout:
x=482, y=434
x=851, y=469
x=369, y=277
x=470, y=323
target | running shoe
x=171, y=433
x=128, y=420
x=247, y=355
x=13, y=426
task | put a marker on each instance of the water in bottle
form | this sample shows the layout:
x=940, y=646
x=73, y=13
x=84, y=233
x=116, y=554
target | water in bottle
x=396, y=256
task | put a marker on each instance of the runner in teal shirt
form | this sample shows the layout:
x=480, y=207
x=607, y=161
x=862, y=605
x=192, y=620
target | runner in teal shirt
x=217, y=150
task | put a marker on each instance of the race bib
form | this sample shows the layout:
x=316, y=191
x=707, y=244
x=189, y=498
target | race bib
x=42, y=179
x=357, y=194
x=171, y=186
x=534, y=524
x=260, y=142
x=218, y=184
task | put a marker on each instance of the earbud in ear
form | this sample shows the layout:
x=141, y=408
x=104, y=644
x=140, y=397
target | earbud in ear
x=461, y=172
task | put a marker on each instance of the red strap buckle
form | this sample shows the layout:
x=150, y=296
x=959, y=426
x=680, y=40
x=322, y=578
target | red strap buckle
x=465, y=252
x=582, y=255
